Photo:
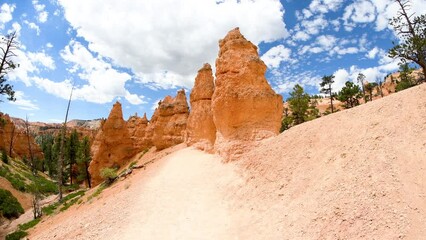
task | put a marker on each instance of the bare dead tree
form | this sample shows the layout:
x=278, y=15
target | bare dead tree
x=411, y=31
x=33, y=165
x=61, y=151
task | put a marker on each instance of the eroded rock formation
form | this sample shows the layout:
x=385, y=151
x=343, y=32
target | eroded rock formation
x=113, y=146
x=15, y=139
x=201, y=130
x=245, y=108
x=168, y=124
x=138, y=132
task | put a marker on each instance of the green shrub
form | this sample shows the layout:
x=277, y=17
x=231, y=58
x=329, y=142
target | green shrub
x=403, y=85
x=29, y=224
x=16, y=235
x=9, y=205
x=109, y=175
x=4, y=157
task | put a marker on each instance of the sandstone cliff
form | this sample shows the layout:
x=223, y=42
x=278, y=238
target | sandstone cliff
x=113, y=146
x=9, y=132
x=245, y=108
x=168, y=123
x=201, y=129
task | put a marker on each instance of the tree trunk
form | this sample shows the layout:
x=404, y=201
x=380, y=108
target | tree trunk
x=12, y=136
x=87, y=174
x=61, y=151
x=331, y=99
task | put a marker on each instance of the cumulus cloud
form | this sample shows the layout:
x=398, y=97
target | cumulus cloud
x=372, y=74
x=6, y=11
x=360, y=11
x=167, y=51
x=23, y=103
x=33, y=26
x=40, y=9
x=30, y=63
x=101, y=82
x=274, y=56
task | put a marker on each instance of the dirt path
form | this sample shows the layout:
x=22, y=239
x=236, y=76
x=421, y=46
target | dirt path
x=179, y=197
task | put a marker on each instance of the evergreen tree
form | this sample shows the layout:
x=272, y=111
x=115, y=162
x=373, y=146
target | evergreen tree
x=369, y=87
x=349, y=94
x=326, y=88
x=83, y=161
x=406, y=78
x=8, y=44
x=71, y=155
x=299, y=104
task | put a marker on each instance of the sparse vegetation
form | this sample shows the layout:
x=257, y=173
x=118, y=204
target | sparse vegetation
x=326, y=88
x=109, y=175
x=66, y=202
x=9, y=205
x=18, y=235
x=4, y=157
x=29, y=224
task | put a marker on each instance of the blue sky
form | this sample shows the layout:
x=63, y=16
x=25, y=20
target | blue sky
x=137, y=52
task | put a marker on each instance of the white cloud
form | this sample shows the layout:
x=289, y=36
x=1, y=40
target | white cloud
x=102, y=83
x=49, y=45
x=165, y=51
x=301, y=36
x=42, y=14
x=33, y=26
x=274, y=56
x=375, y=52
x=24, y=104
x=361, y=11
x=314, y=26
x=30, y=63
x=6, y=11
x=42, y=59
x=326, y=41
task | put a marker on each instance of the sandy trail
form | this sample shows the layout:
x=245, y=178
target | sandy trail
x=181, y=196
x=183, y=200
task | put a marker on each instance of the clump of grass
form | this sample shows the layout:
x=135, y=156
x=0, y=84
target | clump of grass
x=97, y=192
x=29, y=224
x=109, y=175
x=72, y=198
x=17, y=235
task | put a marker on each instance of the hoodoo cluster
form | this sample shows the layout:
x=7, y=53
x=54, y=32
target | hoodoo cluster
x=227, y=113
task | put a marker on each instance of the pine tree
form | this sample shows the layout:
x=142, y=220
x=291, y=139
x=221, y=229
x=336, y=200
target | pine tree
x=8, y=44
x=326, y=88
x=83, y=161
x=72, y=149
x=299, y=104
x=349, y=94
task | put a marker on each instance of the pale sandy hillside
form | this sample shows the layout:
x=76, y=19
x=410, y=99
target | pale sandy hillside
x=356, y=174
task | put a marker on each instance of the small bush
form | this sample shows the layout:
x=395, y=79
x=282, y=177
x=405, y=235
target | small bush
x=109, y=175
x=403, y=85
x=16, y=235
x=4, y=157
x=9, y=205
x=29, y=224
